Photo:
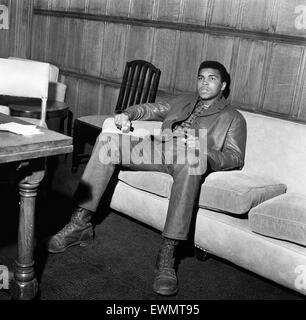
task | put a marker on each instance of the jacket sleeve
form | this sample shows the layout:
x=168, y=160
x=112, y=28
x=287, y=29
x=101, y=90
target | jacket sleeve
x=148, y=111
x=232, y=154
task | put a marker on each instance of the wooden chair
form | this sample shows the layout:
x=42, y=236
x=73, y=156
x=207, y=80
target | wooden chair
x=139, y=85
x=56, y=111
x=19, y=78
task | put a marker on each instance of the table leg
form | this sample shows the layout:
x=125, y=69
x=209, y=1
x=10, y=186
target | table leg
x=24, y=285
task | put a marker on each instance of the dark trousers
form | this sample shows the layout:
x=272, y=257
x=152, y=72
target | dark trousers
x=145, y=154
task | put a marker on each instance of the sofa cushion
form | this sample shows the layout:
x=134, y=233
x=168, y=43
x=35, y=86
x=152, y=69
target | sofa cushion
x=230, y=191
x=155, y=182
x=237, y=192
x=283, y=217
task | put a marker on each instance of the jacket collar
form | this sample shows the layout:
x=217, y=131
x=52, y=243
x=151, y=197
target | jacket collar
x=217, y=106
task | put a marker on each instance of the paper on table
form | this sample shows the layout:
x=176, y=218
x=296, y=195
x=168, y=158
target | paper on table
x=23, y=129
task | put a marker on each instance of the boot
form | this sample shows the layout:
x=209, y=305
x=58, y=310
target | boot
x=78, y=231
x=165, y=282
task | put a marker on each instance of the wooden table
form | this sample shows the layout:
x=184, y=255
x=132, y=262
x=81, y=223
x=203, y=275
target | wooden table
x=29, y=153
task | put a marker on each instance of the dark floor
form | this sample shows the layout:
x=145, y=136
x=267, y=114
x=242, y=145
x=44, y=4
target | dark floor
x=119, y=264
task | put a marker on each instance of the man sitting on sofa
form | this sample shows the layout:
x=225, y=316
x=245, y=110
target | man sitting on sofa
x=183, y=118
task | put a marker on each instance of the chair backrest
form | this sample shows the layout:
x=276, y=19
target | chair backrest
x=21, y=78
x=57, y=90
x=53, y=71
x=139, y=84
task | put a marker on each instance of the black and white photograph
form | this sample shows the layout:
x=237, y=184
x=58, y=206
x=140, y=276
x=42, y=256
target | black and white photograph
x=153, y=153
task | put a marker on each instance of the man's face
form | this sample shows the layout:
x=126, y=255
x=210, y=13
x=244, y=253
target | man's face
x=210, y=85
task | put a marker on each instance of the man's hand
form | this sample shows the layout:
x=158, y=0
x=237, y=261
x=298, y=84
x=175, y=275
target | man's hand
x=122, y=122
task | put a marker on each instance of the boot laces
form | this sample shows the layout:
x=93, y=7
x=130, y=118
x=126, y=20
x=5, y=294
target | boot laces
x=167, y=255
x=70, y=226
x=67, y=229
x=76, y=216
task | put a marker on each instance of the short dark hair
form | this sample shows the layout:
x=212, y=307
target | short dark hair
x=225, y=76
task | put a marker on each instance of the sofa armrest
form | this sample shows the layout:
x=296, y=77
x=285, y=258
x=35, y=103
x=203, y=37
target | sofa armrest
x=141, y=128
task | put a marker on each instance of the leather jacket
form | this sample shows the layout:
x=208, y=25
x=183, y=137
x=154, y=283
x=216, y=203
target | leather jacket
x=226, y=127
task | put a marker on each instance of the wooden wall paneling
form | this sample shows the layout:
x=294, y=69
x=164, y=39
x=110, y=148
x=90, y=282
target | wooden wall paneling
x=110, y=97
x=265, y=74
x=41, y=4
x=188, y=60
x=299, y=106
x=21, y=27
x=139, y=43
x=28, y=30
x=247, y=84
x=4, y=40
x=235, y=41
x=289, y=21
x=39, y=39
x=205, y=45
x=282, y=78
x=113, y=60
x=13, y=26
x=302, y=104
x=142, y=9
x=195, y=11
x=77, y=5
x=93, y=47
x=71, y=97
x=181, y=12
x=73, y=59
x=220, y=48
x=174, y=64
x=89, y=95
x=226, y=13
x=118, y=7
x=46, y=36
x=274, y=16
x=97, y=6
x=164, y=56
x=257, y=15
x=209, y=13
x=168, y=10
x=60, y=5
x=58, y=41
x=264, y=63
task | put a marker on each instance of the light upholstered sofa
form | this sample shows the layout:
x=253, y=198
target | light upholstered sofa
x=255, y=218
